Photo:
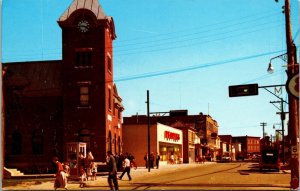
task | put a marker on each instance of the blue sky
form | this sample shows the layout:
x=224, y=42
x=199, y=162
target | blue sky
x=185, y=52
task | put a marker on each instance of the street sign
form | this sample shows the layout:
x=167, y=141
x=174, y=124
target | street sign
x=243, y=90
x=294, y=150
x=292, y=86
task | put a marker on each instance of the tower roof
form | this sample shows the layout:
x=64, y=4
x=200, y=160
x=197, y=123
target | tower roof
x=92, y=5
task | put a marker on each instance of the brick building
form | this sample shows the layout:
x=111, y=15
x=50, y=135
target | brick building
x=48, y=104
x=227, y=148
x=250, y=145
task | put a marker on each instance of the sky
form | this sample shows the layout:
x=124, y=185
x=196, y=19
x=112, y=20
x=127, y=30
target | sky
x=185, y=52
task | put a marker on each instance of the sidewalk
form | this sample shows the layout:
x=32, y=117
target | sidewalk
x=138, y=174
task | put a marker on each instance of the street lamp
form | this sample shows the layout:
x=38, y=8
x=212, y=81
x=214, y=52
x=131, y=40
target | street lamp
x=270, y=67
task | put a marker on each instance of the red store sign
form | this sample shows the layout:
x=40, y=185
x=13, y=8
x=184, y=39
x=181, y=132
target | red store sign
x=173, y=136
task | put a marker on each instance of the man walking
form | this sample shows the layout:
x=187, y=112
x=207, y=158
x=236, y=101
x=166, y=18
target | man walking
x=157, y=160
x=126, y=165
x=112, y=171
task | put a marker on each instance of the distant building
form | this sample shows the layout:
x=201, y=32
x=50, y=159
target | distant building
x=48, y=104
x=250, y=145
x=200, y=132
x=227, y=148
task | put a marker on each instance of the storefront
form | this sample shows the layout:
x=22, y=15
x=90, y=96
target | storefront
x=165, y=140
x=169, y=144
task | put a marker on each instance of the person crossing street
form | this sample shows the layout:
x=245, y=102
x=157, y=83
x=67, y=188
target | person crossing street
x=126, y=165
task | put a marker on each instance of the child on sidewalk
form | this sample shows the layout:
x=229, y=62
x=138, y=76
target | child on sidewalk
x=82, y=176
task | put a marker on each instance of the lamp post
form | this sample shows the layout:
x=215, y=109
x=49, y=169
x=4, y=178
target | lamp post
x=270, y=67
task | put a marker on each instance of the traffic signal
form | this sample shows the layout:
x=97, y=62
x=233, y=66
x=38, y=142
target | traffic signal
x=243, y=90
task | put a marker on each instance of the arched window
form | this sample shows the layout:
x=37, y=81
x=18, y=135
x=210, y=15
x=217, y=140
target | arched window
x=109, y=141
x=119, y=144
x=115, y=143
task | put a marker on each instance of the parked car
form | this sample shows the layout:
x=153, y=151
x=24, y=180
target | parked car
x=240, y=157
x=226, y=159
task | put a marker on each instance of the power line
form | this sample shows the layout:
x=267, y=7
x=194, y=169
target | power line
x=189, y=68
x=252, y=17
x=140, y=49
x=169, y=38
x=187, y=33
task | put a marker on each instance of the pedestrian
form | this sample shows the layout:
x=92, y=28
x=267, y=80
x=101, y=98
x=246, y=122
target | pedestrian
x=82, y=177
x=112, y=171
x=151, y=160
x=66, y=167
x=146, y=160
x=94, y=170
x=126, y=166
x=119, y=162
x=132, y=161
x=157, y=160
x=60, y=176
x=88, y=161
x=172, y=158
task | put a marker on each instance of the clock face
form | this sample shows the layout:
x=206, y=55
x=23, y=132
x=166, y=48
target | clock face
x=83, y=26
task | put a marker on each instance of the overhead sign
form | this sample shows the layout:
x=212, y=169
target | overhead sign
x=292, y=86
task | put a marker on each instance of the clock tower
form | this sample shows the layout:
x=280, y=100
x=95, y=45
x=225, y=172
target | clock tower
x=91, y=105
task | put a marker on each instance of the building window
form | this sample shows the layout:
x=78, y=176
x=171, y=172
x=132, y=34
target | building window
x=115, y=143
x=109, y=141
x=119, y=114
x=84, y=93
x=83, y=57
x=119, y=144
x=109, y=63
x=114, y=109
x=109, y=99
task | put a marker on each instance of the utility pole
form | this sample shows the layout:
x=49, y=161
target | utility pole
x=148, y=116
x=263, y=124
x=282, y=117
x=293, y=125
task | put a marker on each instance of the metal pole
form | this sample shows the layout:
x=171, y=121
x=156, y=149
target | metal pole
x=293, y=125
x=282, y=116
x=148, y=113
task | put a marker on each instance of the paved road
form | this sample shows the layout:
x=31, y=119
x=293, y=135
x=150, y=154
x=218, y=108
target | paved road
x=222, y=176
x=209, y=176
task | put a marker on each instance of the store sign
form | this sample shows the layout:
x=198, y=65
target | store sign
x=173, y=136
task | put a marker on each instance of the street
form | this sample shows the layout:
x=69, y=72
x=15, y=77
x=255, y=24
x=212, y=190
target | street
x=209, y=176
